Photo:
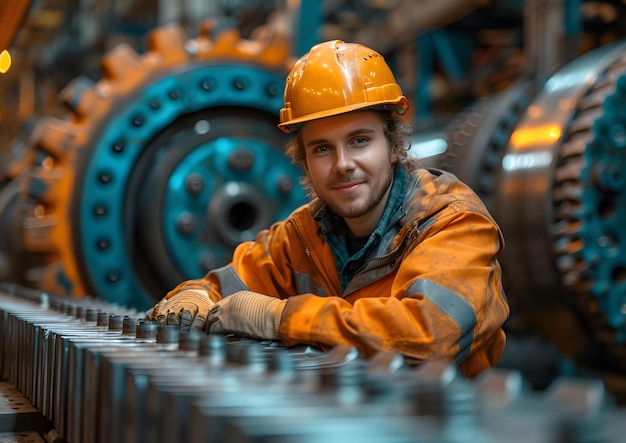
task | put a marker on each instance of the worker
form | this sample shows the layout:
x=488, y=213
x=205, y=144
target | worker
x=386, y=256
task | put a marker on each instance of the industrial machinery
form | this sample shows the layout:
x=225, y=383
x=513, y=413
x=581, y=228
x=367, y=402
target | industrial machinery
x=157, y=168
x=98, y=374
x=548, y=158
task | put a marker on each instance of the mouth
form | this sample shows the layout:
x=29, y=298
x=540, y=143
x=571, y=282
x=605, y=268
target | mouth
x=346, y=187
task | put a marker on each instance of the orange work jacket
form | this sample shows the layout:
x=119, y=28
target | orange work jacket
x=433, y=292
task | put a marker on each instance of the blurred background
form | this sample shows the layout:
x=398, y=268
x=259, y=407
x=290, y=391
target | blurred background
x=138, y=145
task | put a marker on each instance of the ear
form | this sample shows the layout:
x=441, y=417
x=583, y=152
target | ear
x=394, y=156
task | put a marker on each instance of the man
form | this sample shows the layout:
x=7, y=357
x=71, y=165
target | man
x=387, y=255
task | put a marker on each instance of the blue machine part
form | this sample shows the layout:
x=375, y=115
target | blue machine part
x=194, y=233
x=603, y=212
x=548, y=159
x=211, y=205
x=159, y=169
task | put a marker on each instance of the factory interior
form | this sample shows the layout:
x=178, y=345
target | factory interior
x=138, y=147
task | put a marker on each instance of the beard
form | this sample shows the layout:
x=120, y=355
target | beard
x=360, y=207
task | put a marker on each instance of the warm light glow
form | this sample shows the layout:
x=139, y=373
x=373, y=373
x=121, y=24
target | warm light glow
x=535, y=136
x=5, y=61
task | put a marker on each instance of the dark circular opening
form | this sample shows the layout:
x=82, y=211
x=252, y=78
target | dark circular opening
x=619, y=275
x=242, y=216
x=607, y=208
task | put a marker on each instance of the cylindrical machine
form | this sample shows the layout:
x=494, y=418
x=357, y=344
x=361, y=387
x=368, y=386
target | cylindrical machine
x=548, y=158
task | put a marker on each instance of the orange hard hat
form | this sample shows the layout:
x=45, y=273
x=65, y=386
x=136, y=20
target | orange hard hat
x=337, y=77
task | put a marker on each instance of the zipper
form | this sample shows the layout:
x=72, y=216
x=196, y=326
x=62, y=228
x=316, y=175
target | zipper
x=395, y=250
x=325, y=279
x=413, y=232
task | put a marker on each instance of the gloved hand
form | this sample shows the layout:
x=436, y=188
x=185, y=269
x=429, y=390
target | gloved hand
x=188, y=308
x=248, y=314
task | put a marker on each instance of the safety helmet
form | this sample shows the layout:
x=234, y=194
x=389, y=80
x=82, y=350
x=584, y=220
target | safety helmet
x=337, y=77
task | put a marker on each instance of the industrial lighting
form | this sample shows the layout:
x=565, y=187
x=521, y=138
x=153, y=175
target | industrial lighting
x=5, y=61
x=527, y=138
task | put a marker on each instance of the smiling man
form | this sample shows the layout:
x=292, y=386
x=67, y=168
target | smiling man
x=388, y=255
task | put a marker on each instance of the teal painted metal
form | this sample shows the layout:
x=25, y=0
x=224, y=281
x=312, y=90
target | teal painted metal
x=310, y=20
x=603, y=212
x=107, y=233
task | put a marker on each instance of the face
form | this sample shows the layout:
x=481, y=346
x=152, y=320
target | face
x=350, y=163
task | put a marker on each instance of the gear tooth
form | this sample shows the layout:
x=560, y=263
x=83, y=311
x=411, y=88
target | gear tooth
x=79, y=95
x=568, y=245
x=43, y=182
x=559, y=229
x=206, y=28
x=38, y=233
x=169, y=42
x=570, y=279
x=72, y=93
x=584, y=121
x=276, y=51
x=560, y=246
x=576, y=145
x=51, y=278
x=565, y=263
x=575, y=246
x=572, y=191
x=122, y=62
x=55, y=138
x=569, y=171
x=228, y=43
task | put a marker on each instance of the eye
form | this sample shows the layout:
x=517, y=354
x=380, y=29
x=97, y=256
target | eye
x=360, y=140
x=320, y=149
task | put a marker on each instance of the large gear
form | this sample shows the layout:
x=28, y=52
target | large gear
x=161, y=167
x=560, y=200
x=477, y=137
x=589, y=196
x=548, y=158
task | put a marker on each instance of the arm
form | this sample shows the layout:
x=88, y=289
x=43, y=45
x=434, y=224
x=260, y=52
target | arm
x=444, y=301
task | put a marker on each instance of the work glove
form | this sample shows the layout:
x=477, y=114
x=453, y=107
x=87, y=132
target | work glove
x=188, y=309
x=248, y=314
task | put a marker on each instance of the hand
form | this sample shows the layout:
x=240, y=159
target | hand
x=248, y=314
x=188, y=308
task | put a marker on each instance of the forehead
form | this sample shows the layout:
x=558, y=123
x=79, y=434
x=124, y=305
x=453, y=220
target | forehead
x=341, y=125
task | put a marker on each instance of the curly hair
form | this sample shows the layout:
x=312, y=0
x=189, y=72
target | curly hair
x=396, y=132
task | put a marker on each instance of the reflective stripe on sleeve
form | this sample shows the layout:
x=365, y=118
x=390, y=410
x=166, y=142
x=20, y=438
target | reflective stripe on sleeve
x=455, y=306
x=305, y=285
x=229, y=280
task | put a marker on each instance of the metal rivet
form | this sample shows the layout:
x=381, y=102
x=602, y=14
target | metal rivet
x=100, y=210
x=137, y=121
x=186, y=223
x=113, y=276
x=194, y=183
x=103, y=244
x=207, y=84
x=118, y=147
x=284, y=184
x=105, y=177
x=241, y=159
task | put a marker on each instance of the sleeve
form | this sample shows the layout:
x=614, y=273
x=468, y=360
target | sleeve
x=445, y=300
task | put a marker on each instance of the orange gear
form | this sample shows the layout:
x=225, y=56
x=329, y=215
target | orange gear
x=337, y=77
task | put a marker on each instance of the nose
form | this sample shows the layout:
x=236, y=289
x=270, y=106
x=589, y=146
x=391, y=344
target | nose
x=343, y=160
